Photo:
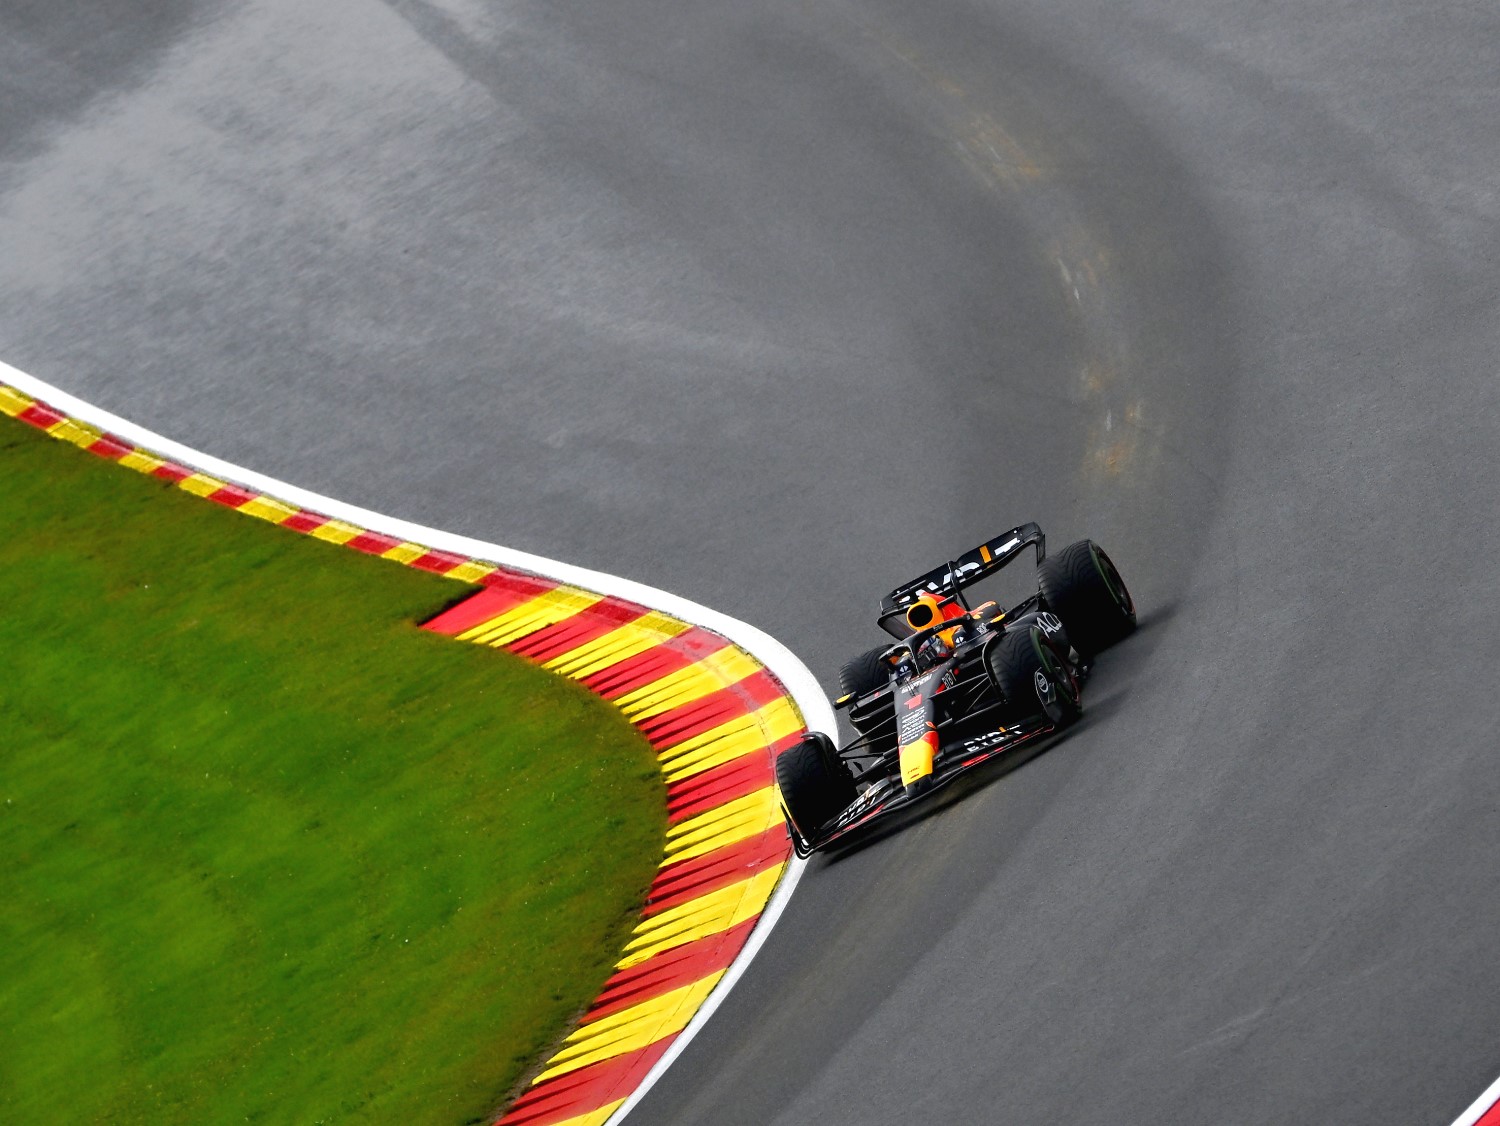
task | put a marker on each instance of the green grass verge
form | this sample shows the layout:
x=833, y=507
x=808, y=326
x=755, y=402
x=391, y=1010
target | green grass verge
x=269, y=853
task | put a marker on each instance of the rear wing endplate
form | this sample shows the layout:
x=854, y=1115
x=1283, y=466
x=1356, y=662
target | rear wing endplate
x=968, y=568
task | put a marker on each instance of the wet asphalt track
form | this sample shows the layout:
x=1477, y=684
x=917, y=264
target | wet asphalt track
x=772, y=303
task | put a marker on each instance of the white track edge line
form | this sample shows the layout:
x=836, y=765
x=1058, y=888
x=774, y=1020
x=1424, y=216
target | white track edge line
x=762, y=930
x=1482, y=1104
x=775, y=656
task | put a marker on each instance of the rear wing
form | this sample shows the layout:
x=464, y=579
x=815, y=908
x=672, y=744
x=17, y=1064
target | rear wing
x=968, y=568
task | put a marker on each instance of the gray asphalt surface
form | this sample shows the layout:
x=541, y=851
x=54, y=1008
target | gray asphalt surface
x=775, y=303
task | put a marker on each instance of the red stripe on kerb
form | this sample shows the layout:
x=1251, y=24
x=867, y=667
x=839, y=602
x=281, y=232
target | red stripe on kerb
x=373, y=543
x=668, y=657
x=679, y=724
x=586, y=1089
x=41, y=416
x=171, y=471
x=489, y=603
x=304, y=521
x=1490, y=1117
x=107, y=445
x=231, y=496
x=585, y=626
x=717, y=785
x=671, y=969
x=717, y=869
x=439, y=562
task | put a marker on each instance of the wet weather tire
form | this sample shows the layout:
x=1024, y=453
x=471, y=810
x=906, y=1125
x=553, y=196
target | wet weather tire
x=815, y=784
x=1035, y=679
x=860, y=676
x=864, y=673
x=1081, y=586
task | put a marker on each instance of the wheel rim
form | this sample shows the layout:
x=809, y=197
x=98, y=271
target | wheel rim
x=1058, y=672
x=1112, y=581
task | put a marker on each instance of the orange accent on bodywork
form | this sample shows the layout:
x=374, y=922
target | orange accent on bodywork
x=916, y=758
x=923, y=612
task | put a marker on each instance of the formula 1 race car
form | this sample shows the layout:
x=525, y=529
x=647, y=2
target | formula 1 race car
x=960, y=686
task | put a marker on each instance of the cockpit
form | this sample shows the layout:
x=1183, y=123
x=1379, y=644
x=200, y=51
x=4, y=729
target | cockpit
x=935, y=626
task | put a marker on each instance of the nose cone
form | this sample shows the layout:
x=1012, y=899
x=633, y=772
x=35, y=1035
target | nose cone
x=916, y=760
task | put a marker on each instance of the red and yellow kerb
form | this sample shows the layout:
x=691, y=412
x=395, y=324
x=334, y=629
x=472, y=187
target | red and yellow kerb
x=716, y=717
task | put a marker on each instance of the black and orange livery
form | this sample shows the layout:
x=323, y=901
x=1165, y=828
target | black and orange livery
x=960, y=685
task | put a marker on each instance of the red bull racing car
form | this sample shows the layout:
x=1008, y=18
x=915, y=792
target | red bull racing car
x=961, y=684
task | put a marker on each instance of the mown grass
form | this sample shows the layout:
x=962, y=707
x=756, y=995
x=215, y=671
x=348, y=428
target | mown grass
x=268, y=852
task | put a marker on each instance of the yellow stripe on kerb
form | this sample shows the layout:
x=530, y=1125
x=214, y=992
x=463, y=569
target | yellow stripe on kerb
x=142, y=462
x=630, y=1029
x=200, y=484
x=698, y=918
x=76, y=433
x=404, y=553
x=646, y=632
x=336, y=531
x=594, y=1117
x=12, y=402
x=472, y=571
x=537, y=613
x=741, y=736
x=268, y=508
x=716, y=671
x=723, y=825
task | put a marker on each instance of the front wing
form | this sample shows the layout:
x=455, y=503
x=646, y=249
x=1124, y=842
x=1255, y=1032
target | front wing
x=888, y=795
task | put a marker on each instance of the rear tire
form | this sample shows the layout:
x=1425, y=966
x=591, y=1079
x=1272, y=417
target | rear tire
x=815, y=784
x=1082, y=587
x=1035, y=679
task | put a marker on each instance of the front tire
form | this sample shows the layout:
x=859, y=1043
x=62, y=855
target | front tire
x=859, y=677
x=863, y=674
x=1082, y=587
x=1035, y=679
x=815, y=784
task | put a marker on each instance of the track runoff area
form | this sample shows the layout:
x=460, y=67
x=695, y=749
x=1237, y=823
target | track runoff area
x=716, y=698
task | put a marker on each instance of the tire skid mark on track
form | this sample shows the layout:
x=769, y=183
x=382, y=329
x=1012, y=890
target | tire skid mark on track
x=715, y=713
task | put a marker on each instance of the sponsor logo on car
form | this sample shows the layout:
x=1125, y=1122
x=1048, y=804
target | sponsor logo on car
x=911, y=726
x=1044, y=689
